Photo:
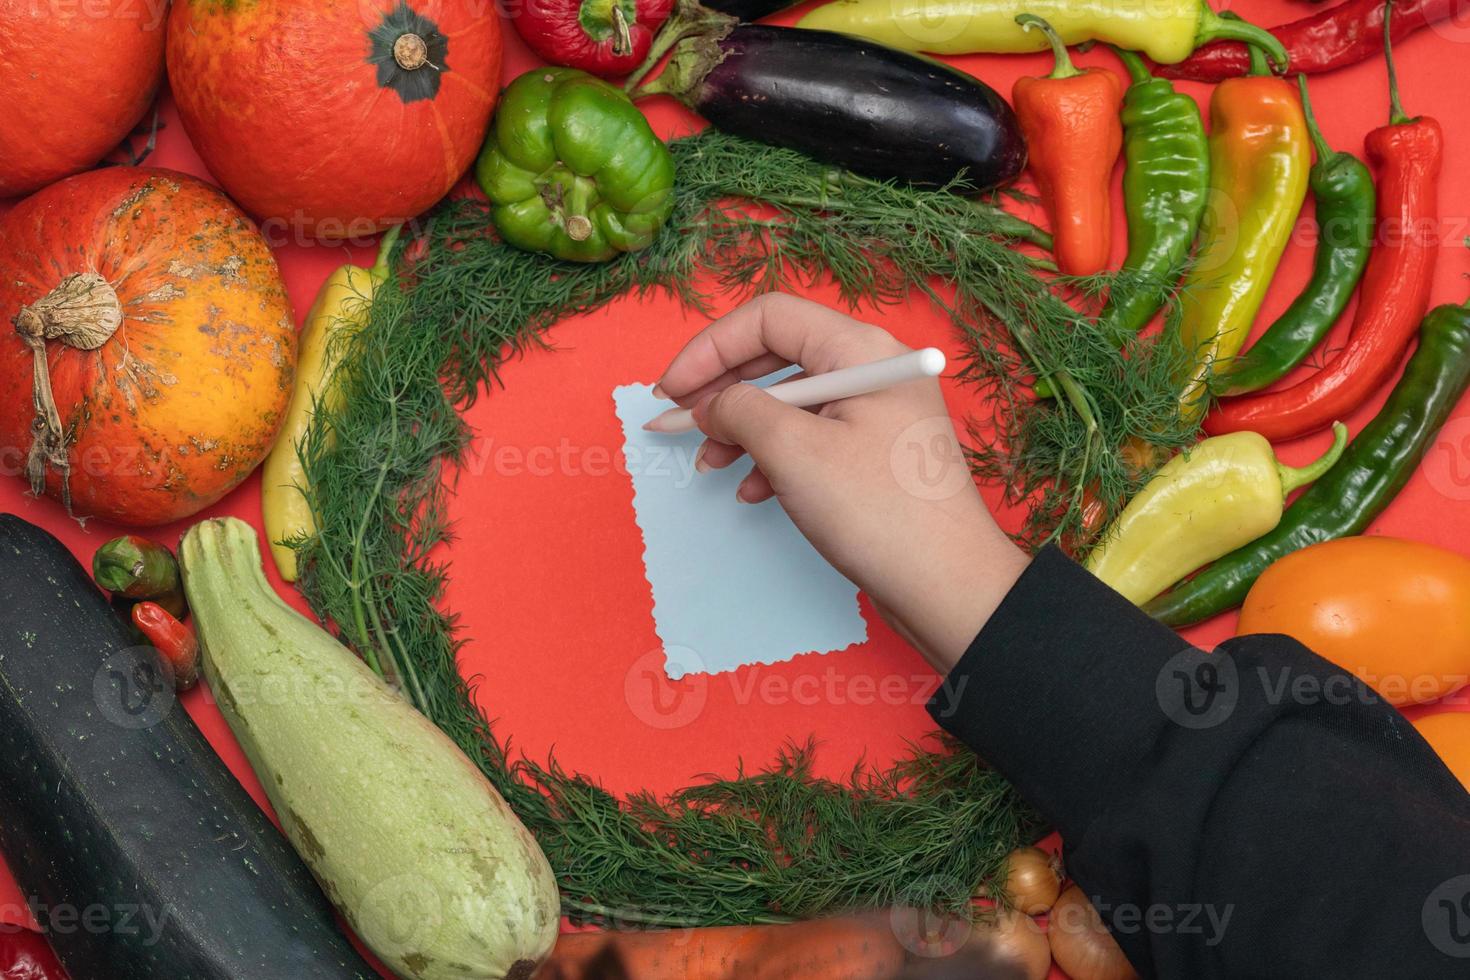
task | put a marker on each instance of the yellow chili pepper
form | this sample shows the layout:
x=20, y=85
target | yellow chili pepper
x=1221, y=495
x=1260, y=166
x=1168, y=31
x=340, y=308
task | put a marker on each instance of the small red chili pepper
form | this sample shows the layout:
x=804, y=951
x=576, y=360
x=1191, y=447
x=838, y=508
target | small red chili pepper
x=1334, y=38
x=604, y=37
x=25, y=955
x=175, y=641
x=1072, y=123
x=1406, y=155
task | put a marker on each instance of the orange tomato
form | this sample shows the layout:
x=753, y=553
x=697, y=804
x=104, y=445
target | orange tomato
x=1448, y=733
x=1396, y=613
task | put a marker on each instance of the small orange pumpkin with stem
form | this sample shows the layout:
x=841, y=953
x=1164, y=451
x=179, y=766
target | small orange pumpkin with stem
x=153, y=349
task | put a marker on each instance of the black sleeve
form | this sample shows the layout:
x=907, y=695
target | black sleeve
x=1255, y=812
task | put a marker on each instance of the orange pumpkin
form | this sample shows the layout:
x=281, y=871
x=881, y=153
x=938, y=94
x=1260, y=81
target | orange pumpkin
x=153, y=349
x=335, y=118
x=77, y=78
x=1394, y=612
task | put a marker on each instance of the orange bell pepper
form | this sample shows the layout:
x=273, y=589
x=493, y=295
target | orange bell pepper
x=1396, y=613
x=1072, y=123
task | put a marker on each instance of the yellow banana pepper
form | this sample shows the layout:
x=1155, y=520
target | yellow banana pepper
x=1168, y=31
x=1260, y=167
x=1221, y=495
x=341, y=307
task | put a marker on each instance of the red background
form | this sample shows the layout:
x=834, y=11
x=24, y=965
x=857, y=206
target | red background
x=547, y=570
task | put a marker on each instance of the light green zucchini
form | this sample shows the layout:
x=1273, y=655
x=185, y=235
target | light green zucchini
x=407, y=838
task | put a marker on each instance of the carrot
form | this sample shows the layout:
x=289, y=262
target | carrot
x=847, y=948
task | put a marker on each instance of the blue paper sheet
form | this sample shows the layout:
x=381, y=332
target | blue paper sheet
x=733, y=584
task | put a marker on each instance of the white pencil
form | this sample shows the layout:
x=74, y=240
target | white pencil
x=830, y=387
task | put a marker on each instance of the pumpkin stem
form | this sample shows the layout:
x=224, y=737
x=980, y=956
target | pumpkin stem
x=82, y=312
x=411, y=52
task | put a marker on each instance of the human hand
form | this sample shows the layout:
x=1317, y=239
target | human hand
x=877, y=483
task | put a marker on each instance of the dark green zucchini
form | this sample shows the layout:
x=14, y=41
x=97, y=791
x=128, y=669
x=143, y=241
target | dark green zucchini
x=143, y=857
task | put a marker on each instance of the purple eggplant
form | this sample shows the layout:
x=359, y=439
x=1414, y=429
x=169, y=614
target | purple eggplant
x=846, y=101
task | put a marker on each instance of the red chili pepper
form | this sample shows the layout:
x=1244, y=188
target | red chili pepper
x=1406, y=155
x=604, y=37
x=1071, y=122
x=175, y=641
x=1342, y=35
x=25, y=955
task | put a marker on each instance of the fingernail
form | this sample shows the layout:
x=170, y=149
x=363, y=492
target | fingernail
x=658, y=392
x=700, y=465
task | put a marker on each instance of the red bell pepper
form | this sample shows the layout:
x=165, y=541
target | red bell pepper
x=1406, y=155
x=603, y=37
x=25, y=955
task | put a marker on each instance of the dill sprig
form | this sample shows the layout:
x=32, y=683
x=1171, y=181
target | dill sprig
x=776, y=843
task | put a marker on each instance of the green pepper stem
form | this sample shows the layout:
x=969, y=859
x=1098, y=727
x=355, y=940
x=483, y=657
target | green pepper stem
x=1137, y=69
x=1231, y=27
x=1293, y=477
x=1063, y=67
x=1396, y=114
x=383, y=265
x=1324, y=151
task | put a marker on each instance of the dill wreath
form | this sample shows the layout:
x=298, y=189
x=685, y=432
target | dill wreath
x=778, y=843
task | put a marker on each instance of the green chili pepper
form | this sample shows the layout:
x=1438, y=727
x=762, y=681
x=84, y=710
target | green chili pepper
x=1165, y=187
x=1370, y=474
x=573, y=169
x=1343, y=188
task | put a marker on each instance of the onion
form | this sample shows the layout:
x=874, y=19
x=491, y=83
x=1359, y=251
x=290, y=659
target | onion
x=1013, y=940
x=1033, y=880
x=1082, y=945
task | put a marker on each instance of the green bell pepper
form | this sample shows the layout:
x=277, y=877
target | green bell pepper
x=573, y=169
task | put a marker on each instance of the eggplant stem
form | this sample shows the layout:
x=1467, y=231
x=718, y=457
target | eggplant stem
x=688, y=20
